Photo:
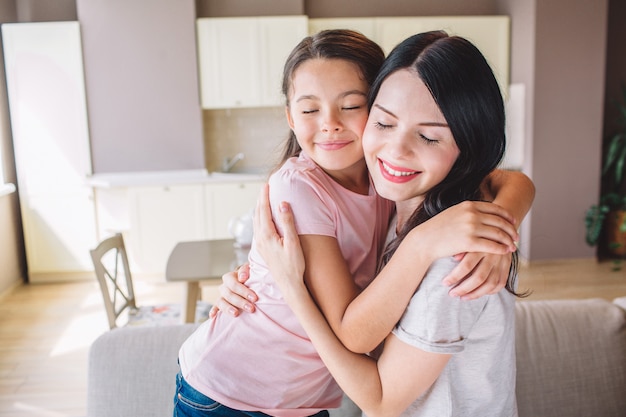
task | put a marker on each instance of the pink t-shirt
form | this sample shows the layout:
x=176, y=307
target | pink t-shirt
x=264, y=361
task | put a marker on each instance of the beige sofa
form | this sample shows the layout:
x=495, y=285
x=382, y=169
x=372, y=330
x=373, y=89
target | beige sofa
x=571, y=361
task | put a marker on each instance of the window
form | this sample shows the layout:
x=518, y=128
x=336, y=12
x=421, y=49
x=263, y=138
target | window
x=5, y=188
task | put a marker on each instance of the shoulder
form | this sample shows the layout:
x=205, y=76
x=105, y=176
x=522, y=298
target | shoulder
x=434, y=321
x=299, y=178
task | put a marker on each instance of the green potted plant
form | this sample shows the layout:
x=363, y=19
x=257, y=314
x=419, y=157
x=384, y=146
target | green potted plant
x=606, y=221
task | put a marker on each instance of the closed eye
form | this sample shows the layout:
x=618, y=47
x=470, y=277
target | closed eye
x=308, y=111
x=382, y=126
x=428, y=140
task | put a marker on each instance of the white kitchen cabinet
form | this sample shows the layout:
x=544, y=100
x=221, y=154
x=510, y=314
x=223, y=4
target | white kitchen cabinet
x=491, y=34
x=160, y=217
x=45, y=84
x=240, y=59
x=224, y=201
x=365, y=25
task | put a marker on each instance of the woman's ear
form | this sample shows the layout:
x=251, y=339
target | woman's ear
x=288, y=116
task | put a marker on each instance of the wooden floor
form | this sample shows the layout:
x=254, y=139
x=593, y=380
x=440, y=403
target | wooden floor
x=46, y=330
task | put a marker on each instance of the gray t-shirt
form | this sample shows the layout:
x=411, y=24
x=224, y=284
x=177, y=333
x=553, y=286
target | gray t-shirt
x=479, y=379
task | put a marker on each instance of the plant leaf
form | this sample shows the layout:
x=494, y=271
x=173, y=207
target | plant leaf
x=594, y=218
x=611, y=153
x=619, y=166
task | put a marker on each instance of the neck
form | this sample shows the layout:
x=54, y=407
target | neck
x=355, y=178
x=405, y=209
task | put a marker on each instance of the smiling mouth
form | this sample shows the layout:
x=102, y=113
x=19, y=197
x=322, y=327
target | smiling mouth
x=329, y=146
x=396, y=173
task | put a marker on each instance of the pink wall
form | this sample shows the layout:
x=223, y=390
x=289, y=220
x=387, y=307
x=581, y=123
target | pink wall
x=146, y=47
x=567, y=108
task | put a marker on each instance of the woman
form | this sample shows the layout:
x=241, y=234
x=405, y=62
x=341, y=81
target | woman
x=435, y=131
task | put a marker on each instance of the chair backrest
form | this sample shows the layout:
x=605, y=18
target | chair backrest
x=113, y=273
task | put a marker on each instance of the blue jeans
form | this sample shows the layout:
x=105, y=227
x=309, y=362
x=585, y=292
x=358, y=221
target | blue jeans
x=190, y=403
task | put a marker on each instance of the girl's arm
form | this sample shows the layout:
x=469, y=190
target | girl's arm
x=383, y=388
x=483, y=273
x=362, y=321
x=511, y=190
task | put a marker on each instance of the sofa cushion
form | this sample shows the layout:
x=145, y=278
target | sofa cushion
x=571, y=358
x=132, y=371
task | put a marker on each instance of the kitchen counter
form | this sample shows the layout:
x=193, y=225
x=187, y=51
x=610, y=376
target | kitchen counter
x=165, y=178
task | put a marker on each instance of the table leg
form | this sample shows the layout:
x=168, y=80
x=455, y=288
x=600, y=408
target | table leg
x=192, y=291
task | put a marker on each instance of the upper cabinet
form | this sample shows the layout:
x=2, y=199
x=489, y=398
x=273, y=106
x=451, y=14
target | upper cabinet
x=490, y=34
x=241, y=59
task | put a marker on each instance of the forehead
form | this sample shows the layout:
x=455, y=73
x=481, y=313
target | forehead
x=404, y=93
x=327, y=74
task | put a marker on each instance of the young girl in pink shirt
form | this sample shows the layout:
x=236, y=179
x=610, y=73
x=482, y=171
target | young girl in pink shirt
x=263, y=363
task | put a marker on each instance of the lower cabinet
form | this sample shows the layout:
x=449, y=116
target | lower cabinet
x=159, y=218
x=154, y=219
x=226, y=201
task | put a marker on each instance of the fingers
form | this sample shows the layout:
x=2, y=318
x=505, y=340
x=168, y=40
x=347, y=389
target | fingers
x=490, y=208
x=263, y=223
x=288, y=226
x=480, y=274
x=222, y=305
x=467, y=263
x=486, y=224
x=243, y=273
x=235, y=296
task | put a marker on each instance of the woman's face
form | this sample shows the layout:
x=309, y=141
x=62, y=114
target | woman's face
x=328, y=111
x=408, y=145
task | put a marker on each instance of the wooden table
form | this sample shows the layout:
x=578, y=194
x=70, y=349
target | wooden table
x=202, y=260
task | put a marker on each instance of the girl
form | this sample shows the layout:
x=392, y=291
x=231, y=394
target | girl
x=435, y=130
x=264, y=363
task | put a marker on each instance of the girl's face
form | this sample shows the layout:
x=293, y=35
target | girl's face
x=328, y=112
x=408, y=145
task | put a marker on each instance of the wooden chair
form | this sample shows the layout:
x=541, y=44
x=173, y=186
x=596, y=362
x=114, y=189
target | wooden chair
x=113, y=272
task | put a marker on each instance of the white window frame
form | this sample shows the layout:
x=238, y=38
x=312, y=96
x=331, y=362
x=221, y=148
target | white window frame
x=5, y=187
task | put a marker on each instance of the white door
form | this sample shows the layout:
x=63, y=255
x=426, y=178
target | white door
x=45, y=83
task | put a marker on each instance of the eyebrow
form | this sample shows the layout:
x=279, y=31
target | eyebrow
x=342, y=95
x=434, y=124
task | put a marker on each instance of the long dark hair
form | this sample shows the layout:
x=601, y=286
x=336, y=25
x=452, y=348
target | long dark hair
x=463, y=85
x=347, y=45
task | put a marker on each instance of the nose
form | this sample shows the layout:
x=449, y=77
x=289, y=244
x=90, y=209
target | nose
x=401, y=146
x=331, y=122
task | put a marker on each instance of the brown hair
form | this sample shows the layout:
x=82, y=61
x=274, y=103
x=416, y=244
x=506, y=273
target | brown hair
x=343, y=44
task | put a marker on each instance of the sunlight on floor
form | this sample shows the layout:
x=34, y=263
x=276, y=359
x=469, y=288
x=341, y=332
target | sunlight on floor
x=36, y=411
x=80, y=333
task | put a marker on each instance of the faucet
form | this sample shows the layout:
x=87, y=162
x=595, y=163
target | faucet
x=229, y=163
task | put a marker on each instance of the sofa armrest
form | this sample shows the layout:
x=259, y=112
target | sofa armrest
x=132, y=371
x=571, y=358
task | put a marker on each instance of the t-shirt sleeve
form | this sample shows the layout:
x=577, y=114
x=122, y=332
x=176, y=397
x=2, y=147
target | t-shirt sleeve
x=434, y=321
x=310, y=201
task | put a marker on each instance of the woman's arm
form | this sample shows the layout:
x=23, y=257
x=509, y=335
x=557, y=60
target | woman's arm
x=383, y=388
x=362, y=321
x=476, y=275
